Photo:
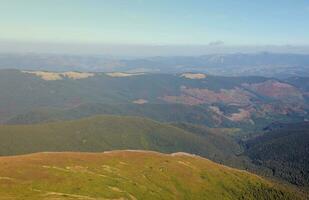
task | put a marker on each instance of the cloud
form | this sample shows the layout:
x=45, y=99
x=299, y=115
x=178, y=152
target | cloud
x=216, y=43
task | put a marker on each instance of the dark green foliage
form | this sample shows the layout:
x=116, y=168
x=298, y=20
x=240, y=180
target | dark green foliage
x=159, y=112
x=284, y=149
x=219, y=139
x=266, y=193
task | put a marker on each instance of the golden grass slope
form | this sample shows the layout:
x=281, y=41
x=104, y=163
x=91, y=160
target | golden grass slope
x=131, y=175
x=140, y=101
x=122, y=74
x=53, y=76
x=193, y=75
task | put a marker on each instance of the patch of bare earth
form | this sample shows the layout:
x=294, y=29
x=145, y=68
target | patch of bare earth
x=275, y=89
x=281, y=108
x=242, y=115
x=140, y=101
x=122, y=74
x=196, y=96
x=77, y=75
x=193, y=75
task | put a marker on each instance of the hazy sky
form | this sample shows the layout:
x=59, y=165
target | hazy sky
x=156, y=22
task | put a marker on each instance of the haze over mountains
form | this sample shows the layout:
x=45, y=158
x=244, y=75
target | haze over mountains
x=233, y=64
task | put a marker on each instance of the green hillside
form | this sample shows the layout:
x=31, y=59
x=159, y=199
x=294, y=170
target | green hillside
x=222, y=139
x=101, y=133
x=159, y=112
x=168, y=113
x=129, y=175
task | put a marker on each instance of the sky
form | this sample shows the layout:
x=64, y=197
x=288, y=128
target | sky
x=156, y=22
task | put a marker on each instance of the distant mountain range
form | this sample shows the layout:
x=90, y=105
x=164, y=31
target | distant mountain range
x=259, y=64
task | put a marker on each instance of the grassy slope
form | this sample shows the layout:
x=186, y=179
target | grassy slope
x=101, y=133
x=128, y=175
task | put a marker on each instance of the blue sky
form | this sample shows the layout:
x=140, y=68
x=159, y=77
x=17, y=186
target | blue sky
x=156, y=22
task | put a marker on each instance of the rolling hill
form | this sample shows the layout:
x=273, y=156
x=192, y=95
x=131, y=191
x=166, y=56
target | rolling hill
x=101, y=133
x=159, y=112
x=129, y=175
x=281, y=152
